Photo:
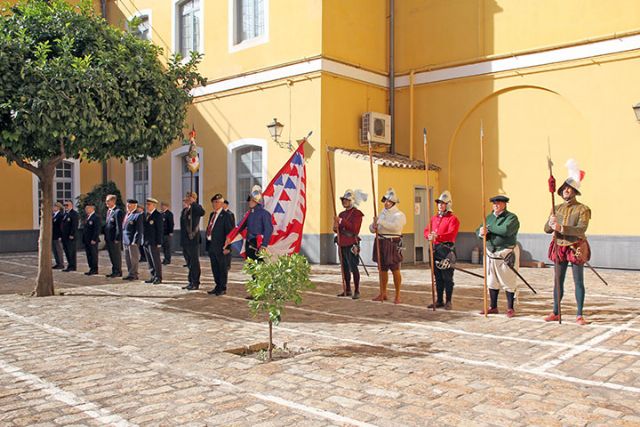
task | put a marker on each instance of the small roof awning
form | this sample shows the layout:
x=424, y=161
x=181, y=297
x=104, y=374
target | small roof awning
x=385, y=159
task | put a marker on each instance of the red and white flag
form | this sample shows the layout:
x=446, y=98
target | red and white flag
x=286, y=199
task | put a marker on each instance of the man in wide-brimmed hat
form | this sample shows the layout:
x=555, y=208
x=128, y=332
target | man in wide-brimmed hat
x=442, y=232
x=347, y=224
x=502, y=253
x=389, y=226
x=569, y=243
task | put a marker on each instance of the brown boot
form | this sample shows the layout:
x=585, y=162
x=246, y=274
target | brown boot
x=397, y=281
x=384, y=279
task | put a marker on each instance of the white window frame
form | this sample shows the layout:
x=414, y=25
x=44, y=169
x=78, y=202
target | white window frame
x=233, y=28
x=232, y=150
x=177, y=157
x=128, y=174
x=139, y=14
x=75, y=191
x=175, y=26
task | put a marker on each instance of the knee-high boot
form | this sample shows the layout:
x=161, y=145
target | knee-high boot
x=384, y=280
x=397, y=281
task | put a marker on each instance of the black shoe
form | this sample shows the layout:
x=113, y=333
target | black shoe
x=157, y=281
x=90, y=273
x=356, y=295
x=165, y=263
x=57, y=267
x=185, y=265
x=129, y=278
x=108, y=275
x=116, y=274
x=187, y=287
x=213, y=292
x=192, y=287
x=249, y=297
x=344, y=294
x=438, y=305
x=68, y=269
x=447, y=305
x=149, y=281
x=220, y=293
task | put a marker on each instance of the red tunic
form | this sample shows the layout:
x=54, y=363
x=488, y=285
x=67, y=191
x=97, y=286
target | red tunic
x=446, y=227
x=350, y=226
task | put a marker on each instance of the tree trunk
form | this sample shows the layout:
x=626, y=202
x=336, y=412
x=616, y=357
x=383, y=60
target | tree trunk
x=44, y=282
x=270, y=340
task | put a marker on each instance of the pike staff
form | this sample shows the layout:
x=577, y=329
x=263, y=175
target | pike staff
x=375, y=215
x=426, y=169
x=484, y=222
x=552, y=190
x=335, y=215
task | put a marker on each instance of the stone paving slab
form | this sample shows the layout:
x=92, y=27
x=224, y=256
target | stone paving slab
x=120, y=353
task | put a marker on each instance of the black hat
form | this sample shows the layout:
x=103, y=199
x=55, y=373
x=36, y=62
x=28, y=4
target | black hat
x=90, y=203
x=499, y=198
x=217, y=196
x=132, y=201
x=226, y=202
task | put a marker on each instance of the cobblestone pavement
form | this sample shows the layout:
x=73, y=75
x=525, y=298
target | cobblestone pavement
x=109, y=352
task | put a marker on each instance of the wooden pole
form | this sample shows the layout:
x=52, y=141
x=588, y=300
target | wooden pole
x=335, y=215
x=375, y=215
x=484, y=221
x=429, y=212
x=552, y=190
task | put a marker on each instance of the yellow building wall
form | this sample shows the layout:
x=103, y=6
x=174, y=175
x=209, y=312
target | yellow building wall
x=294, y=33
x=436, y=32
x=356, y=32
x=583, y=110
x=16, y=213
x=343, y=102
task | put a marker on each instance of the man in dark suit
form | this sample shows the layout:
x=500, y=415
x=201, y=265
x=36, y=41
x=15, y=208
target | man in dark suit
x=113, y=235
x=68, y=235
x=152, y=240
x=190, y=238
x=132, y=229
x=56, y=235
x=167, y=215
x=233, y=220
x=91, y=238
x=220, y=224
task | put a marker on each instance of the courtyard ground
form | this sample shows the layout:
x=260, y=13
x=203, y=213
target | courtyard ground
x=109, y=352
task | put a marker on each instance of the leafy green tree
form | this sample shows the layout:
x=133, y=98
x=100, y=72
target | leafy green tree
x=72, y=86
x=275, y=281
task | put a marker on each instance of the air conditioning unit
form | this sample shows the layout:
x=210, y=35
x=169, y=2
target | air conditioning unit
x=379, y=127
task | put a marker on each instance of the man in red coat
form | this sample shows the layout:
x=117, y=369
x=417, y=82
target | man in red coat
x=442, y=232
x=347, y=224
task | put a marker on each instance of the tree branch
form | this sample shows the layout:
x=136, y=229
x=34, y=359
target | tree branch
x=24, y=165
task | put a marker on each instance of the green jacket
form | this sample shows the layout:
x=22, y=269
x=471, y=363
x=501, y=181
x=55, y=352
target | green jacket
x=503, y=231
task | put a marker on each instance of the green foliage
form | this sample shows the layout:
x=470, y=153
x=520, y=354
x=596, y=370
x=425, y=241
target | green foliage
x=97, y=195
x=276, y=281
x=72, y=85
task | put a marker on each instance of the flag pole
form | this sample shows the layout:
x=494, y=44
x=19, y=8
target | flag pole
x=335, y=215
x=484, y=221
x=375, y=215
x=431, y=264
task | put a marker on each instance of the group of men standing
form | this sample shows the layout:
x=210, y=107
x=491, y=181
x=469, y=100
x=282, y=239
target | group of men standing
x=141, y=234
x=567, y=224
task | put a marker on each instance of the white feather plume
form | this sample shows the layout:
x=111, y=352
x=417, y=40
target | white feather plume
x=360, y=196
x=574, y=170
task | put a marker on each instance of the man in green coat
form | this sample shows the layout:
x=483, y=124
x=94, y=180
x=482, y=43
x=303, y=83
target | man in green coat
x=502, y=253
